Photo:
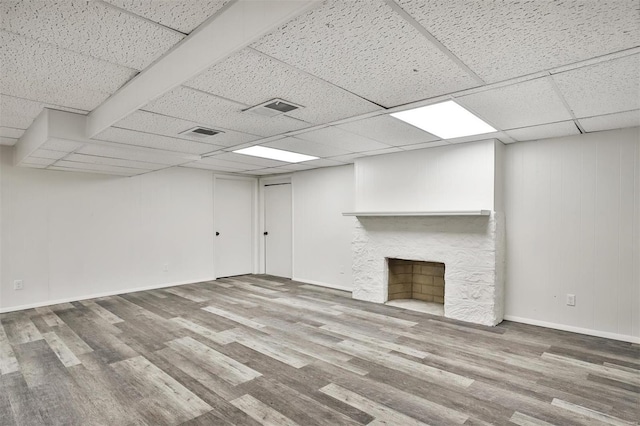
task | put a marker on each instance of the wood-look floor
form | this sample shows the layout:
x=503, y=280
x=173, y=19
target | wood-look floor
x=262, y=350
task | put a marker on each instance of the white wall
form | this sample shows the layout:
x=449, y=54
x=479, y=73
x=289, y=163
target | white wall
x=73, y=235
x=572, y=211
x=321, y=235
x=446, y=178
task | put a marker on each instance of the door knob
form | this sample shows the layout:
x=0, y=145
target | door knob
x=217, y=233
x=265, y=233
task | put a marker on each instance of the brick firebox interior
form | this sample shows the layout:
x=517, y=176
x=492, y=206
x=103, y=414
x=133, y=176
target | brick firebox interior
x=412, y=279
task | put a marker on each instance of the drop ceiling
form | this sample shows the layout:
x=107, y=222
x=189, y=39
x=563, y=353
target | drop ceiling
x=532, y=70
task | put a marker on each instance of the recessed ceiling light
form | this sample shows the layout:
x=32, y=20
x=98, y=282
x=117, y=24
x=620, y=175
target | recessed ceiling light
x=447, y=120
x=275, y=154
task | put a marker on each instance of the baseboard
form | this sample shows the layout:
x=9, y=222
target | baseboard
x=563, y=327
x=95, y=296
x=321, y=284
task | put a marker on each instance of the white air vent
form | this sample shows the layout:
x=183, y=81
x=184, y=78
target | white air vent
x=201, y=132
x=274, y=107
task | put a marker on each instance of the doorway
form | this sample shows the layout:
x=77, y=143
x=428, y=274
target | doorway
x=278, y=232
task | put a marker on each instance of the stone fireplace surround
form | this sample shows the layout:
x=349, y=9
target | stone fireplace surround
x=471, y=247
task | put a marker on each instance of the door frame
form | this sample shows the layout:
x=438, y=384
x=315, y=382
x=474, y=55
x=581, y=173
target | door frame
x=254, y=218
x=262, y=254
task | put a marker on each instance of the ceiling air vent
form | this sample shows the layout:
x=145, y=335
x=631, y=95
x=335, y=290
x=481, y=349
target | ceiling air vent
x=201, y=132
x=274, y=107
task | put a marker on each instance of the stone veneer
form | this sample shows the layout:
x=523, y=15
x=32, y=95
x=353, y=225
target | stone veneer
x=471, y=247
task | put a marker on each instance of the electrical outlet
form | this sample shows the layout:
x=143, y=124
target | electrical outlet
x=18, y=285
x=571, y=299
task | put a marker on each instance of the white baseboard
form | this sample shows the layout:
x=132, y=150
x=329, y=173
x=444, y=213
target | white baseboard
x=95, y=296
x=321, y=284
x=563, y=327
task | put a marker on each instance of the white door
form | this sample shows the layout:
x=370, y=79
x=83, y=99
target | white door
x=233, y=222
x=277, y=227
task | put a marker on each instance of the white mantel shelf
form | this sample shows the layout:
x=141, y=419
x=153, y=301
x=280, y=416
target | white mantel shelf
x=432, y=213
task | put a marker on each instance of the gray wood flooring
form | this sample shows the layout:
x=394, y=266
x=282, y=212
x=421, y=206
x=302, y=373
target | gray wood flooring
x=262, y=350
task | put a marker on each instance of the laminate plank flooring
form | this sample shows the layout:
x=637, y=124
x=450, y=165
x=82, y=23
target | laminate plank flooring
x=254, y=350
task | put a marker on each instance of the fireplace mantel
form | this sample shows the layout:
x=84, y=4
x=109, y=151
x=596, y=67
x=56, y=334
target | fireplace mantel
x=429, y=213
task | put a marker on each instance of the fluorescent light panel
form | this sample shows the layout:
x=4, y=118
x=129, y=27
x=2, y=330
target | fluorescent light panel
x=275, y=154
x=447, y=120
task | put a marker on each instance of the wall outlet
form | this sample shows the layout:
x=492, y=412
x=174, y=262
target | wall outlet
x=18, y=285
x=165, y=267
x=571, y=299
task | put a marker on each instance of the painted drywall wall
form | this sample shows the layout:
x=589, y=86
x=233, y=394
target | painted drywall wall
x=321, y=235
x=73, y=235
x=572, y=211
x=445, y=178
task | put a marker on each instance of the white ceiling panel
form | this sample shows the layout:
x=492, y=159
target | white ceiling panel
x=619, y=120
x=388, y=130
x=149, y=140
x=342, y=139
x=46, y=153
x=130, y=154
x=124, y=171
x=248, y=159
x=348, y=158
x=604, y=88
x=44, y=73
x=313, y=164
x=501, y=40
x=194, y=105
x=252, y=78
x=230, y=165
x=204, y=166
x=7, y=141
x=39, y=161
x=302, y=146
x=34, y=165
x=149, y=122
x=19, y=113
x=61, y=145
x=91, y=159
x=81, y=169
x=11, y=132
x=106, y=33
x=365, y=47
x=552, y=130
x=424, y=145
x=518, y=105
x=183, y=15
x=266, y=172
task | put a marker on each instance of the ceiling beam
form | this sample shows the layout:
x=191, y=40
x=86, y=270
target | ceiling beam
x=233, y=28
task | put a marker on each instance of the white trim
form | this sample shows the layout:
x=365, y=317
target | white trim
x=563, y=327
x=95, y=296
x=321, y=284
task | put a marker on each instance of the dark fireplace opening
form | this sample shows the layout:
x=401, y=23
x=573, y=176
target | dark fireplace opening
x=415, y=279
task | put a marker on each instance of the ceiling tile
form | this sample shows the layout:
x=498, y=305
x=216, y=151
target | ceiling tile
x=265, y=172
x=618, y=120
x=11, y=132
x=253, y=78
x=368, y=49
x=423, y=145
x=91, y=159
x=46, y=153
x=34, y=166
x=36, y=161
x=607, y=87
x=7, y=141
x=518, y=105
x=91, y=28
x=231, y=165
x=61, y=145
x=86, y=167
x=183, y=15
x=501, y=40
x=306, y=147
x=44, y=73
x=248, y=159
x=544, y=131
x=313, y=164
x=342, y=139
x=194, y=105
x=350, y=157
x=149, y=140
x=388, y=130
x=204, y=166
x=19, y=113
x=131, y=154
x=149, y=122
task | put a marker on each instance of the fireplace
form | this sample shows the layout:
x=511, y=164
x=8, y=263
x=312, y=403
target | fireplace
x=468, y=249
